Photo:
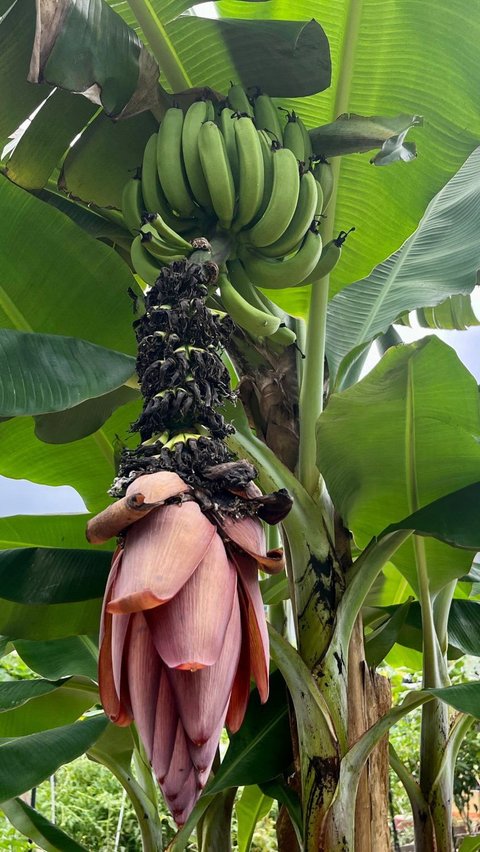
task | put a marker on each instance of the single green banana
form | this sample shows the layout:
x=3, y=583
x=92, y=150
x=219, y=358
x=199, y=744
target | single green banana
x=293, y=136
x=329, y=257
x=302, y=219
x=283, y=337
x=257, y=322
x=279, y=274
x=319, y=207
x=238, y=100
x=210, y=110
x=143, y=264
x=166, y=233
x=226, y=124
x=251, y=172
x=283, y=200
x=240, y=280
x=160, y=249
x=324, y=174
x=171, y=170
x=196, y=115
x=133, y=204
x=267, y=117
x=217, y=171
x=307, y=142
x=153, y=194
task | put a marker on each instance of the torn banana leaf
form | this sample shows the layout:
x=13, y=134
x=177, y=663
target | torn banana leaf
x=356, y=134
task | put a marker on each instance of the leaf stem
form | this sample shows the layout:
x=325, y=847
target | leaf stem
x=160, y=45
x=311, y=392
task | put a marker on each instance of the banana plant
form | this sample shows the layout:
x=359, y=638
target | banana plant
x=388, y=472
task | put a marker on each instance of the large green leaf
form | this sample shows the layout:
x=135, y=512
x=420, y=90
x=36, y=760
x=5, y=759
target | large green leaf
x=14, y=693
x=35, y=826
x=115, y=68
x=73, y=575
x=453, y=518
x=56, y=279
x=87, y=465
x=284, y=58
x=440, y=259
x=46, y=139
x=19, y=98
x=463, y=627
x=41, y=373
x=381, y=67
x=251, y=807
x=107, y=154
x=377, y=475
x=465, y=697
x=82, y=420
x=72, y=655
x=60, y=705
x=26, y=762
x=49, y=621
x=66, y=531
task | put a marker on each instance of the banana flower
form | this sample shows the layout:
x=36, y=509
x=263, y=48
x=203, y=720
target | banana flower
x=183, y=630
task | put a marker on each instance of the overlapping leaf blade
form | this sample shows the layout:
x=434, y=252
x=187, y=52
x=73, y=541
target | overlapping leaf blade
x=375, y=475
x=440, y=259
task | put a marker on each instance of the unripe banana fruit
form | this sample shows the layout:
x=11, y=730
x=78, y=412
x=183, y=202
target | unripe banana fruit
x=329, y=257
x=258, y=323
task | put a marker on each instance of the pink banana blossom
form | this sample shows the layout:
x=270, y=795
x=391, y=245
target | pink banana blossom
x=183, y=630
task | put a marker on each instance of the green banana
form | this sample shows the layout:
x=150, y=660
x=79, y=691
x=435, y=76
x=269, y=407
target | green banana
x=166, y=233
x=160, y=249
x=217, y=171
x=307, y=142
x=226, y=124
x=319, y=207
x=143, y=263
x=243, y=285
x=279, y=274
x=210, y=110
x=293, y=136
x=267, y=117
x=283, y=337
x=329, y=257
x=170, y=166
x=133, y=205
x=301, y=222
x=257, y=322
x=238, y=100
x=251, y=172
x=267, y=154
x=324, y=174
x=196, y=115
x=283, y=200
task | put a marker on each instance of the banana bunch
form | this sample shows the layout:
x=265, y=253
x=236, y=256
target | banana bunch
x=245, y=167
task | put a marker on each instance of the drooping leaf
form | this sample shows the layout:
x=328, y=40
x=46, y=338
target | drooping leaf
x=19, y=98
x=14, y=693
x=456, y=312
x=73, y=575
x=372, y=76
x=287, y=58
x=107, y=154
x=47, y=138
x=82, y=420
x=38, y=828
x=440, y=259
x=352, y=134
x=88, y=465
x=115, y=68
x=465, y=697
x=463, y=627
x=72, y=655
x=26, y=762
x=58, y=280
x=453, y=518
x=60, y=706
x=41, y=373
x=380, y=641
x=376, y=476
x=251, y=807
